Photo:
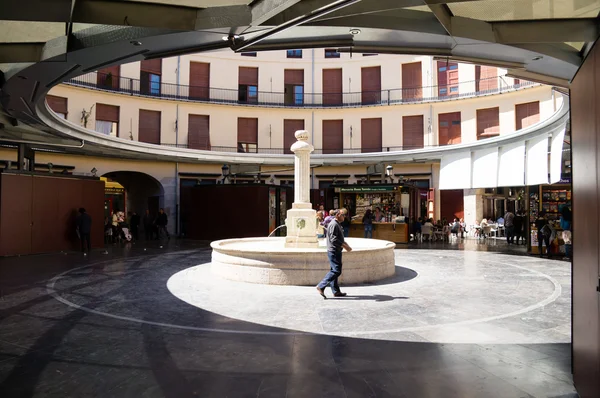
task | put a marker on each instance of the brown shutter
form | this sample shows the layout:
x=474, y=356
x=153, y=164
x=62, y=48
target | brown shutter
x=449, y=128
x=289, y=129
x=294, y=76
x=370, y=135
x=371, y=85
x=248, y=130
x=199, y=132
x=527, y=114
x=447, y=78
x=486, y=78
x=452, y=204
x=332, y=87
x=412, y=81
x=57, y=104
x=412, y=132
x=333, y=136
x=151, y=66
x=104, y=81
x=108, y=113
x=488, y=122
x=248, y=76
x=149, y=127
x=199, y=80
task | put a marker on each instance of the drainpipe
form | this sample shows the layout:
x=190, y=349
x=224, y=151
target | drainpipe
x=313, y=79
x=177, y=211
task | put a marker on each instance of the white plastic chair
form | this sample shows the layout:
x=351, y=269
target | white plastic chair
x=426, y=230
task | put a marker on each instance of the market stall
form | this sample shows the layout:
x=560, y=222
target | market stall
x=394, y=202
x=550, y=199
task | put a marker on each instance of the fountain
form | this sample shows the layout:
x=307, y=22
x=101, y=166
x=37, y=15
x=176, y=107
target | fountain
x=299, y=258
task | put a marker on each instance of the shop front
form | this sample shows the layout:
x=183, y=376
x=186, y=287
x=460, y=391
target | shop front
x=115, y=197
x=395, y=202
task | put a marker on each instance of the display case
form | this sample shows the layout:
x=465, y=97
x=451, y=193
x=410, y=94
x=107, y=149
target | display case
x=550, y=199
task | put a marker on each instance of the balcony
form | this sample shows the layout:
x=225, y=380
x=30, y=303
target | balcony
x=178, y=92
x=319, y=151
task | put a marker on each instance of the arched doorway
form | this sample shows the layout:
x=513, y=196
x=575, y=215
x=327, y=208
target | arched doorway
x=141, y=192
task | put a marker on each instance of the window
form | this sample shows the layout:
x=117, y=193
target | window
x=249, y=54
x=248, y=93
x=58, y=105
x=443, y=69
x=107, y=119
x=154, y=84
x=444, y=124
x=298, y=95
x=443, y=90
x=331, y=53
x=294, y=53
x=106, y=127
x=248, y=85
x=453, y=67
x=454, y=89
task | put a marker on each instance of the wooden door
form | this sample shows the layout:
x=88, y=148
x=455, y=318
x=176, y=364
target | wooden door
x=527, y=114
x=452, y=204
x=412, y=132
x=290, y=126
x=108, y=78
x=332, y=87
x=447, y=78
x=199, y=132
x=412, y=81
x=449, y=128
x=149, y=127
x=199, y=81
x=333, y=136
x=371, y=85
x=370, y=135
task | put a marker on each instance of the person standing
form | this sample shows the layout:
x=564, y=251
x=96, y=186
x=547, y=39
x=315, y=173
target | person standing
x=509, y=227
x=335, y=245
x=543, y=233
x=368, y=223
x=161, y=223
x=84, y=226
x=518, y=226
x=148, y=222
x=134, y=224
x=346, y=223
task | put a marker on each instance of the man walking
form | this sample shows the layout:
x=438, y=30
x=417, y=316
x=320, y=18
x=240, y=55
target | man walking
x=335, y=244
x=509, y=227
x=161, y=223
x=84, y=226
x=148, y=222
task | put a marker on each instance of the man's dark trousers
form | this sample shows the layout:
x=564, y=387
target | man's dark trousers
x=85, y=238
x=331, y=279
x=510, y=234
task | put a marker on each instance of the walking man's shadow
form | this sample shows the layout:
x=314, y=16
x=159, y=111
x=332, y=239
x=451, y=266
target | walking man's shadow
x=373, y=297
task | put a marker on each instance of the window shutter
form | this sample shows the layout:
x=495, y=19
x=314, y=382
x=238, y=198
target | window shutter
x=248, y=76
x=199, y=132
x=370, y=135
x=294, y=76
x=412, y=132
x=199, y=80
x=333, y=136
x=527, y=114
x=57, y=104
x=151, y=66
x=248, y=130
x=488, y=122
x=486, y=78
x=371, y=85
x=289, y=129
x=449, y=128
x=108, y=113
x=149, y=127
x=412, y=81
x=332, y=87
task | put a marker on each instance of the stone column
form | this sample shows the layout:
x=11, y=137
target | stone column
x=301, y=218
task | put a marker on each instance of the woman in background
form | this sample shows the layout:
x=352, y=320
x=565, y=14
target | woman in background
x=368, y=223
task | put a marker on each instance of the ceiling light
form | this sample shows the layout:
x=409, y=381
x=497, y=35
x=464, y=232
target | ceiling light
x=355, y=31
x=136, y=43
x=537, y=58
x=230, y=37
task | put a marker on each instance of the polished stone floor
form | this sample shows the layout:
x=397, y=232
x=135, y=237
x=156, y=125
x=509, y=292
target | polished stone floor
x=145, y=321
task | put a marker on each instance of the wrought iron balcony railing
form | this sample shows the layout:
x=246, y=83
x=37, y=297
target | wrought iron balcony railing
x=283, y=151
x=136, y=87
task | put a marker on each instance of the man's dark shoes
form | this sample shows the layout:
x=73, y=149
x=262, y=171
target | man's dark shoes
x=340, y=294
x=321, y=292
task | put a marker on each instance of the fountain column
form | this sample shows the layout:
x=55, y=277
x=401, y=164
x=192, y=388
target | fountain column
x=301, y=218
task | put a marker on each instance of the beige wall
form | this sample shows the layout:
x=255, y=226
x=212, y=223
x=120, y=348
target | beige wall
x=223, y=118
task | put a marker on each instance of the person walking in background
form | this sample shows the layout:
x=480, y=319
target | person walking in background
x=509, y=227
x=335, y=245
x=368, y=223
x=518, y=226
x=543, y=233
x=346, y=223
x=148, y=222
x=161, y=223
x=84, y=227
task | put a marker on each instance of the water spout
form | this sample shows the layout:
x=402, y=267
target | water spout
x=272, y=232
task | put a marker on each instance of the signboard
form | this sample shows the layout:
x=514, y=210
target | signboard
x=368, y=189
x=375, y=169
x=113, y=190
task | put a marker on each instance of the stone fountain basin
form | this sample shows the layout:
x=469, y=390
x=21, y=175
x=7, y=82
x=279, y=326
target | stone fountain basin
x=268, y=261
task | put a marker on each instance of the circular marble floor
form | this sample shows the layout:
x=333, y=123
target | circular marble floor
x=437, y=296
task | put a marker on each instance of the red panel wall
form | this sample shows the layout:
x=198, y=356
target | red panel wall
x=15, y=214
x=452, y=204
